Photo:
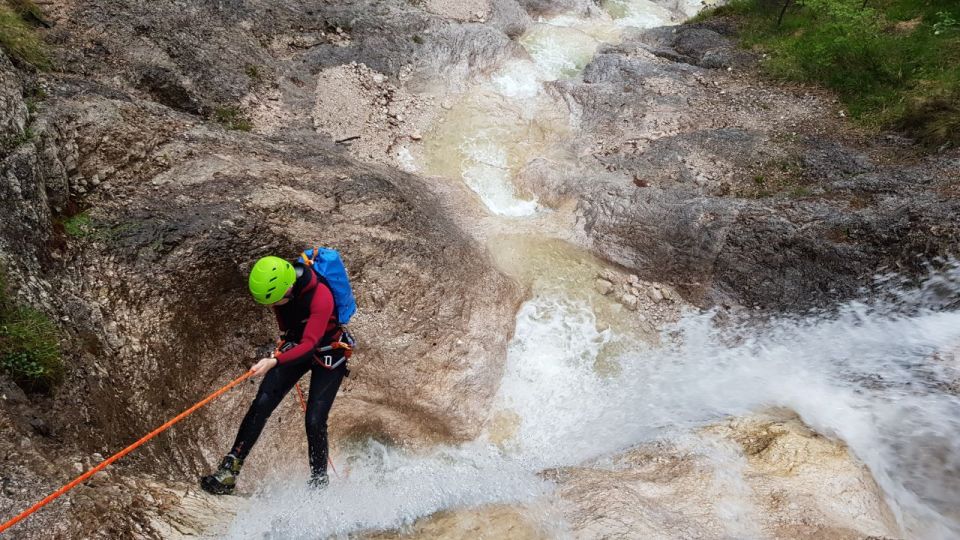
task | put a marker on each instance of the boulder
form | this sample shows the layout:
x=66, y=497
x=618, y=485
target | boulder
x=758, y=477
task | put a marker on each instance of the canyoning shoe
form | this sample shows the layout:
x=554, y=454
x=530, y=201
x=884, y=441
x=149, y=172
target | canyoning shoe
x=318, y=481
x=224, y=479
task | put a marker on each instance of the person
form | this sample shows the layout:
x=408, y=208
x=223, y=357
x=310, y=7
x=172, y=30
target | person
x=304, y=309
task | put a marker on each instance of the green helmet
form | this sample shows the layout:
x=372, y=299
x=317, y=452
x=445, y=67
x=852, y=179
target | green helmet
x=270, y=278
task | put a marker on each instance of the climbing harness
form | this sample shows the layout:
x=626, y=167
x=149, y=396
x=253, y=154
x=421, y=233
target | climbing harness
x=329, y=356
x=337, y=352
x=76, y=481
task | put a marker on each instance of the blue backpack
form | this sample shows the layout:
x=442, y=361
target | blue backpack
x=328, y=266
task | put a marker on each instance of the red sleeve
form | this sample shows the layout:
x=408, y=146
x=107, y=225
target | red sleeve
x=321, y=309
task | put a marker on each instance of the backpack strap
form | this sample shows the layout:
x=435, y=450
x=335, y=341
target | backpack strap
x=303, y=255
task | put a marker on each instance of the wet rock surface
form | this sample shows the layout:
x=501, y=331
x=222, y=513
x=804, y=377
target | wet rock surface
x=737, y=193
x=706, y=45
x=779, y=480
x=487, y=522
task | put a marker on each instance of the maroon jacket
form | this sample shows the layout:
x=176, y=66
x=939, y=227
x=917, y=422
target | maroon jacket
x=308, y=317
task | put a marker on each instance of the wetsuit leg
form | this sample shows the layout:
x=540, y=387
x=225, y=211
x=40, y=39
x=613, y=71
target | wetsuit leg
x=324, y=384
x=276, y=383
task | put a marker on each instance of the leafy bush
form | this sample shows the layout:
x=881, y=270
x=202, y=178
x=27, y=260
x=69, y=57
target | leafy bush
x=29, y=346
x=19, y=39
x=894, y=63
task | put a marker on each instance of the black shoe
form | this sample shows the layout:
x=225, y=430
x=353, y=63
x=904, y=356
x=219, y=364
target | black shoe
x=224, y=479
x=318, y=481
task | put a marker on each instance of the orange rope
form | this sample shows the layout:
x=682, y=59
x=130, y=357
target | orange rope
x=303, y=405
x=123, y=452
x=303, y=402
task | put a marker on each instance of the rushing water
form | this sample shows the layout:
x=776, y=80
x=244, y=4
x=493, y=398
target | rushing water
x=882, y=376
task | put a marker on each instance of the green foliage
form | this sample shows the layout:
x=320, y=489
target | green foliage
x=10, y=142
x=84, y=227
x=932, y=118
x=253, y=72
x=79, y=226
x=894, y=63
x=29, y=345
x=19, y=39
x=34, y=97
x=28, y=10
x=232, y=118
x=945, y=24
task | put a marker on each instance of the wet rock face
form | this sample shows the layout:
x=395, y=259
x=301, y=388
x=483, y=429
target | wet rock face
x=165, y=52
x=546, y=8
x=176, y=253
x=756, y=477
x=791, y=254
x=484, y=522
x=706, y=179
x=705, y=45
x=164, y=86
x=13, y=110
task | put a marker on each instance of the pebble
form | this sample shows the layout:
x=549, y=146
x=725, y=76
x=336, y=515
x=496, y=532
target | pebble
x=655, y=295
x=604, y=287
x=630, y=301
x=608, y=275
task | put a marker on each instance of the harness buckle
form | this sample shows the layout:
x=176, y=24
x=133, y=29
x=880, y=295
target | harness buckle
x=283, y=346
